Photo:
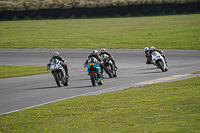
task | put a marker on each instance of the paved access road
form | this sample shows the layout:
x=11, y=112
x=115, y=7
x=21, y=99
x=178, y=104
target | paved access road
x=29, y=91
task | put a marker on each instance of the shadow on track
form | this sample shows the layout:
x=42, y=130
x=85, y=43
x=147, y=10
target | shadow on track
x=80, y=87
x=148, y=68
x=43, y=88
x=150, y=72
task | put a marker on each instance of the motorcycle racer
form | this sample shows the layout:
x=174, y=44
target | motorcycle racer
x=147, y=55
x=103, y=51
x=95, y=55
x=60, y=58
x=152, y=48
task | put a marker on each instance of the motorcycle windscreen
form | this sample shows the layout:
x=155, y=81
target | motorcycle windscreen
x=54, y=64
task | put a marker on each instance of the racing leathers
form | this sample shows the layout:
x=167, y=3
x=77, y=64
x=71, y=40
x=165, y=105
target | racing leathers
x=161, y=52
x=111, y=58
x=147, y=55
x=64, y=63
x=98, y=58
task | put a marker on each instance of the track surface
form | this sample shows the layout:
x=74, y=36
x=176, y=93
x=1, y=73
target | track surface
x=29, y=91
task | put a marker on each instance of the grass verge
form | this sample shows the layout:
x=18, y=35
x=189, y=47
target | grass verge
x=162, y=107
x=163, y=32
x=8, y=71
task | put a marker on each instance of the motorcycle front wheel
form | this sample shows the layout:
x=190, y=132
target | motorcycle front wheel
x=57, y=79
x=108, y=71
x=92, y=77
x=161, y=65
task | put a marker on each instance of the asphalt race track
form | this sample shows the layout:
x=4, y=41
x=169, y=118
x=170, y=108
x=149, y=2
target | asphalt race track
x=30, y=91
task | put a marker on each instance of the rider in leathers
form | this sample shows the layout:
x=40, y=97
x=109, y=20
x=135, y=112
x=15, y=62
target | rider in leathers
x=95, y=55
x=103, y=51
x=60, y=58
x=152, y=48
x=147, y=55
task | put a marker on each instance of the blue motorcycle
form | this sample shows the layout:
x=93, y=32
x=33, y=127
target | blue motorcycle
x=94, y=70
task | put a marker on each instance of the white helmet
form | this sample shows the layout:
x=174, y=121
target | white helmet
x=94, y=52
x=152, y=48
x=146, y=48
x=55, y=54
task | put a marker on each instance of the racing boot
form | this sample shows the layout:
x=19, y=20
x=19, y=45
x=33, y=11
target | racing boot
x=67, y=73
x=99, y=75
x=115, y=67
x=165, y=60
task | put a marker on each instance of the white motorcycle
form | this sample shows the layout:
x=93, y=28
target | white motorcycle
x=159, y=61
x=58, y=72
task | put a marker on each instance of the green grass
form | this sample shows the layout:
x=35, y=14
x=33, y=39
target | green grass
x=163, y=107
x=8, y=71
x=163, y=32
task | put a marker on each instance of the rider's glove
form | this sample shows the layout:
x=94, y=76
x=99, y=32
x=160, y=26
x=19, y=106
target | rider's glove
x=48, y=66
x=101, y=63
x=62, y=63
x=85, y=65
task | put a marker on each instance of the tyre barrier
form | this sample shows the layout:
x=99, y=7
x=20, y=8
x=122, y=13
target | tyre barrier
x=45, y=13
x=123, y=10
x=78, y=12
x=146, y=9
x=89, y=12
x=134, y=10
x=9, y=14
x=112, y=11
x=67, y=13
x=180, y=8
x=56, y=13
x=157, y=8
x=168, y=8
x=192, y=7
x=1, y=15
x=100, y=11
x=21, y=14
x=33, y=13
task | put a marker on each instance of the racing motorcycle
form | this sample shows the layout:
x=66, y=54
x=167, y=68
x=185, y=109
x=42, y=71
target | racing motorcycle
x=108, y=66
x=94, y=71
x=58, y=72
x=159, y=61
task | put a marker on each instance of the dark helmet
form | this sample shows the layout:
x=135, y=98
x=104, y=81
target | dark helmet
x=55, y=54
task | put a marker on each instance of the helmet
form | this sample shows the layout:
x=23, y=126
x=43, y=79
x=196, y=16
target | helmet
x=103, y=51
x=55, y=54
x=152, y=48
x=146, y=48
x=95, y=52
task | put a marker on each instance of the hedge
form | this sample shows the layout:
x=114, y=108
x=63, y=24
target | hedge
x=78, y=12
